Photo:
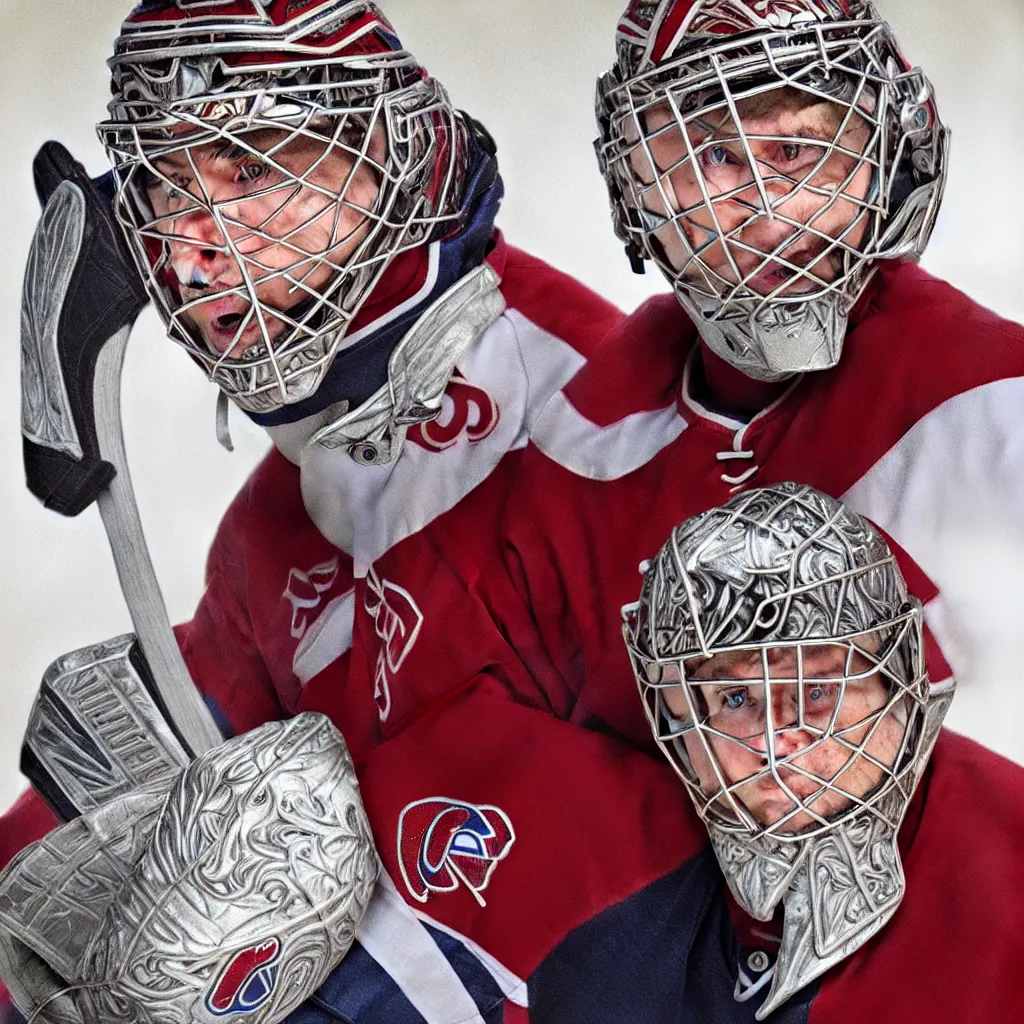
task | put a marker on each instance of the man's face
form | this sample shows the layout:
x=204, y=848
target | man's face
x=709, y=178
x=255, y=228
x=816, y=735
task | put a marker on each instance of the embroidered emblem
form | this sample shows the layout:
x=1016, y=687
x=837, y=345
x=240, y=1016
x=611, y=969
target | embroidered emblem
x=248, y=980
x=397, y=621
x=445, y=843
x=305, y=591
x=466, y=409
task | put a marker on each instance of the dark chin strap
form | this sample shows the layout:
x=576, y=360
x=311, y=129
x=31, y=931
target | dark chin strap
x=360, y=371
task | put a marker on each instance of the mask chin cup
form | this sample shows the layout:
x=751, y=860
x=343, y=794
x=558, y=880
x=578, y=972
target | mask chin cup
x=778, y=341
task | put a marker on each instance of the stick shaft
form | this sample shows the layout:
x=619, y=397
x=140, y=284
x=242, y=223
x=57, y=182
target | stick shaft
x=120, y=514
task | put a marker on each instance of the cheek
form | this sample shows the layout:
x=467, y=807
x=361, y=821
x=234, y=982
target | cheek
x=736, y=762
x=849, y=208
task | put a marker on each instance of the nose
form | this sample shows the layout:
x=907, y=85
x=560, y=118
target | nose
x=768, y=209
x=789, y=736
x=197, y=248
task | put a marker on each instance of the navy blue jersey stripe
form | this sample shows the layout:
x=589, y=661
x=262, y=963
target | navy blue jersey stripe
x=666, y=955
x=479, y=981
x=358, y=991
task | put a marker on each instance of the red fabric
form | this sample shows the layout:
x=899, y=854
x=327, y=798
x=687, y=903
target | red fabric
x=272, y=573
x=451, y=568
x=27, y=820
x=952, y=952
x=574, y=539
x=7, y=1009
x=594, y=822
x=515, y=1014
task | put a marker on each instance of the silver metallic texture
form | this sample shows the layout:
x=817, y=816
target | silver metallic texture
x=780, y=662
x=120, y=513
x=418, y=371
x=768, y=239
x=96, y=729
x=346, y=156
x=46, y=417
x=234, y=893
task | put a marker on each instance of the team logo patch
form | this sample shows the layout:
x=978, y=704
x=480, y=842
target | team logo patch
x=305, y=591
x=247, y=982
x=444, y=843
x=397, y=621
x=465, y=410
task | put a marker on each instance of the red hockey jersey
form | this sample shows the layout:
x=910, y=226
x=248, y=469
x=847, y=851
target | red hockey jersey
x=919, y=428
x=578, y=879
x=312, y=536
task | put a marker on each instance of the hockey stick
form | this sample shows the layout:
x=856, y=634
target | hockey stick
x=81, y=297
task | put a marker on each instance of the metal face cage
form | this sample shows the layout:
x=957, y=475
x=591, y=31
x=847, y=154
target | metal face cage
x=794, y=732
x=266, y=182
x=780, y=662
x=765, y=166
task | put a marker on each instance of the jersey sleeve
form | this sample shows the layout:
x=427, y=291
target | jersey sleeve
x=27, y=820
x=219, y=644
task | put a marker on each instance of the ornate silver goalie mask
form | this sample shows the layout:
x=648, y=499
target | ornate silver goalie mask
x=780, y=661
x=272, y=159
x=765, y=155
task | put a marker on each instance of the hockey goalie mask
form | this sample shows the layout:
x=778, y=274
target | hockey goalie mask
x=765, y=155
x=272, y=158
x=780, y=662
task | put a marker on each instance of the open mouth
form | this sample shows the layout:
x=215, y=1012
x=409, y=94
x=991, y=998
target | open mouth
x=795, y=280
x=228, y=322
x=233, y=332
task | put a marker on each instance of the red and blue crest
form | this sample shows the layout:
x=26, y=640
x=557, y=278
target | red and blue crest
x=444, y=844
x=248, y=980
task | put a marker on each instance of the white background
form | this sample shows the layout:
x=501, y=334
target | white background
x=526, y=68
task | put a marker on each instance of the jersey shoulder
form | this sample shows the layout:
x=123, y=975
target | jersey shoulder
x=967, y=845
x=622, y=408
x=555, y=301
x=267, y=506
x=982, y=788
x=962, y=904
x=638, y=366
x=912, y=317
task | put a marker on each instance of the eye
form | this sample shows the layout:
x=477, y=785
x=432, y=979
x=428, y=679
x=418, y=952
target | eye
x=792, y=151
x=171, y=190
x=715, y=156
x=252, y=170
x=734, y=699
x=820, y=693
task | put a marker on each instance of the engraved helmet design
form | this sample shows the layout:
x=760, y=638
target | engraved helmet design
x=344, y=153
x=780, y=662
x=765, y=154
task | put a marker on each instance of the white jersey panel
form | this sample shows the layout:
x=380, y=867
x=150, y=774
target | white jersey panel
x=548, y=370
x=327, y=639
x=391, y=933
x=956, y=479
x=567, y=437
x=367, y=510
